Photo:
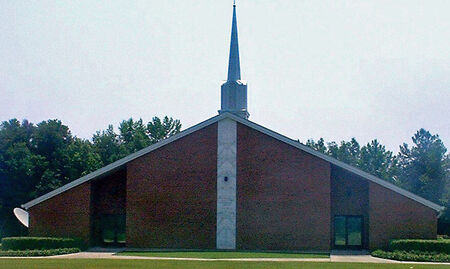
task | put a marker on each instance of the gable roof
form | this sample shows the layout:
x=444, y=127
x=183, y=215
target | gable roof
x=110, y=168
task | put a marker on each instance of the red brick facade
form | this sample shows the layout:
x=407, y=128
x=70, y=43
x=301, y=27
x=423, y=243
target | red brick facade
x=65, y=215
x=171, y=194
x=286, y=199
x=394, y=216
x=283, y=195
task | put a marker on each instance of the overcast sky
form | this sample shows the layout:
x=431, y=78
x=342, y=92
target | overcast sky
x=332, y=69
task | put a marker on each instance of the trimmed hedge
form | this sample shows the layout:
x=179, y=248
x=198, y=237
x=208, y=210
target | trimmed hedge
x=38, y=252
x=439, y=246
x=40, y=243
x=418, y=256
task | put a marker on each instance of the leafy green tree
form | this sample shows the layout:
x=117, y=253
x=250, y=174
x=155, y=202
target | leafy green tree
x=372, y=158
x=82, y=158
x=19, y=171
x=423, y=166
x=319, y=145
x=35, y=159
x=133, y=135
x=376, y=160
x=107, y=145
x=51, y=139
x=347, y=152
x=158, y=130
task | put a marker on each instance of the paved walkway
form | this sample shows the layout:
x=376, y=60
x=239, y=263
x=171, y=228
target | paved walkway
x=335, y=256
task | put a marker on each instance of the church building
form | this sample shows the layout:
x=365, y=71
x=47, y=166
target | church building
x=229, y=183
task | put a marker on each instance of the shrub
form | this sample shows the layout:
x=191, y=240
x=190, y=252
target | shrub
x=31, y=243
x=38, y=252
x=440, y=246
x=418, y=256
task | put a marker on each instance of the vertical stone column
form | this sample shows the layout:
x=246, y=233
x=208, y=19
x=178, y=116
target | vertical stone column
x=226, y=184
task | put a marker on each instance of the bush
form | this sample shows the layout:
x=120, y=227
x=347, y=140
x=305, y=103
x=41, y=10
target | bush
x=439, y=246
x=32, y=243
x=38, y=252
x=418, y=256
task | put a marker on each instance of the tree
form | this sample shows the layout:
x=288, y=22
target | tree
x=107, y=145
x=372, y=158
x=423, y=167
x=19, y=171
x=82, y=158
x=51, y=139
x=133, y=135
x=319, y=145
x=347, y=152
x=376, y=160
x=35, y=159
x=158, y=130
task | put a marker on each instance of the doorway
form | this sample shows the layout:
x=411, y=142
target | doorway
x=348, y=232
x=112, y=230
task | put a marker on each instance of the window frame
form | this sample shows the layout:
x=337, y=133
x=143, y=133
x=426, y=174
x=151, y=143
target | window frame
x=347, y=246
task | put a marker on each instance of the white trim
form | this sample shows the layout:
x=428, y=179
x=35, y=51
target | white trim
x=120, y=163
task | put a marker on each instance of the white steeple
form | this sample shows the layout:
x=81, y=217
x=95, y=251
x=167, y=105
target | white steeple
x=234, y=90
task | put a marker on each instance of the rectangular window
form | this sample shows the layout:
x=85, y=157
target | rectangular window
x=348, y=231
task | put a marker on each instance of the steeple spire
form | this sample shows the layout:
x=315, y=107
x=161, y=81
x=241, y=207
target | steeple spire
x=234, y=69
x=234, y=90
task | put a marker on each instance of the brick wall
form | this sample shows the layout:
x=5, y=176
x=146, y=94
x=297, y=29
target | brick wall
x=171, y=194
x=394, y=216
x=64, y=215
x=283, y=195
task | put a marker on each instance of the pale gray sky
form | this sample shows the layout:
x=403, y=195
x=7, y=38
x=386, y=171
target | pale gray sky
x=332, y=69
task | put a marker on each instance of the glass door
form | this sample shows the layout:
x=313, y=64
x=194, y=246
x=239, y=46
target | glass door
x=112, y=229
x=348, y=231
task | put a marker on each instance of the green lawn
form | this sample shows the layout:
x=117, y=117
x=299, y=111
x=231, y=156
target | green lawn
x=222, y=254
x=109, y=263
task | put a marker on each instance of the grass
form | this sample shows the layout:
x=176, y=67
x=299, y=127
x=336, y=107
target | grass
x=109, y=263
x=222, y=254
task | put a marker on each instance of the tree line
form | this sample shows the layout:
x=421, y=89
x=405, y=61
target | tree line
x=37, y=158
x=422, y=167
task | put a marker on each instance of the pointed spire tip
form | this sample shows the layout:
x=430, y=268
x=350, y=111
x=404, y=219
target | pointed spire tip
x=234, y=70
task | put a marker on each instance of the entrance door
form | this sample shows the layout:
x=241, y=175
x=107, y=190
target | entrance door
x=348, y=232
x=112, y=229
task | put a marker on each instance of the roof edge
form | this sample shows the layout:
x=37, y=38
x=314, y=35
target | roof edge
x=336, y=162
x=122, y=162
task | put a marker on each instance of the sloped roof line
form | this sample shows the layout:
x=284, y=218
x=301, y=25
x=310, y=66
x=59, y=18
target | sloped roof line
x=338, y=163
x=122, y=162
